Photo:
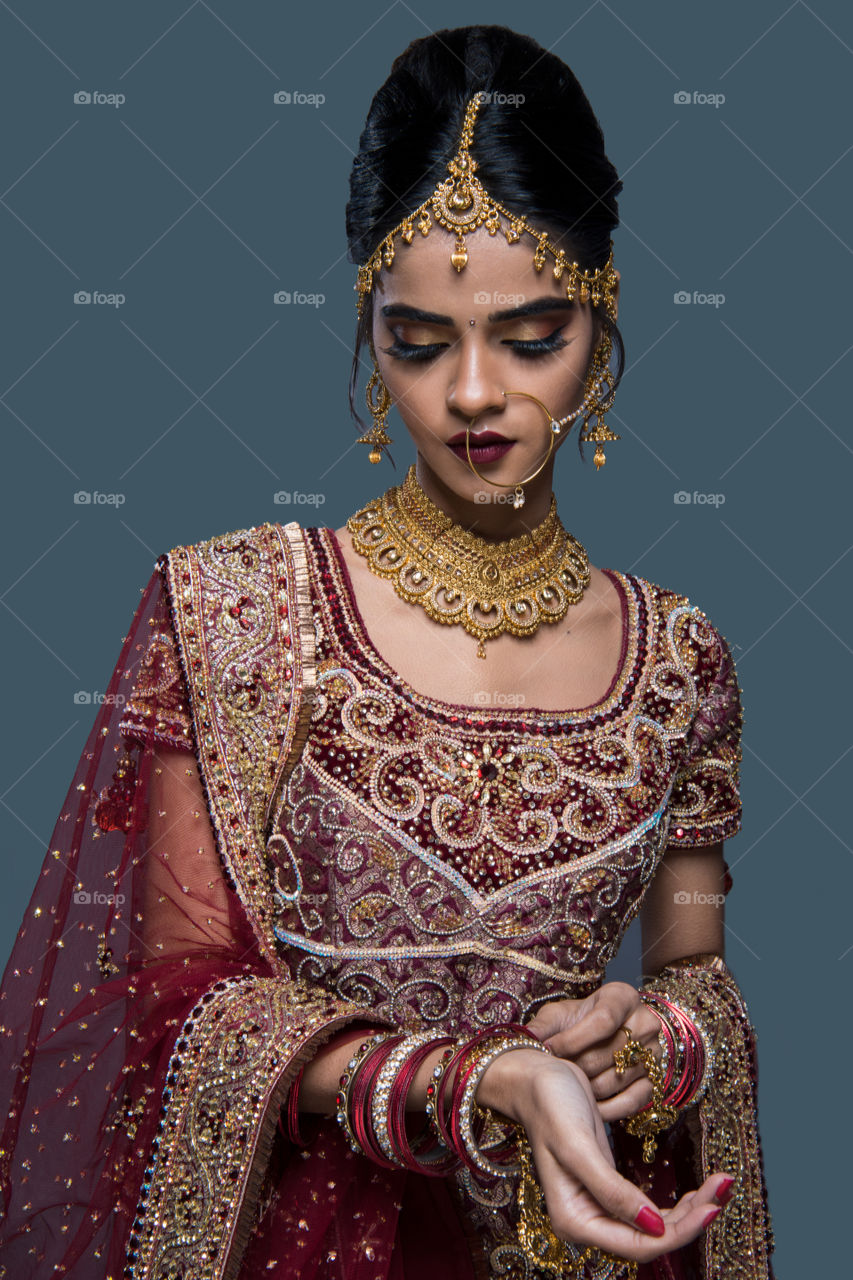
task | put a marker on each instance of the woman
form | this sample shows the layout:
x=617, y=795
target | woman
x=312, y=982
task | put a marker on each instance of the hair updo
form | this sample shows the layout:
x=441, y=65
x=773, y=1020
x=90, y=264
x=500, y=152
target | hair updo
x=543, y=158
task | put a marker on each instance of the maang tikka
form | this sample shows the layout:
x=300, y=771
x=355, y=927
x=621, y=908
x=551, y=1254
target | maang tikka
x=460, y=204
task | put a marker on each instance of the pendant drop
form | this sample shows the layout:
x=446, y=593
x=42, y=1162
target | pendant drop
x=518, y=498
x=481, y=649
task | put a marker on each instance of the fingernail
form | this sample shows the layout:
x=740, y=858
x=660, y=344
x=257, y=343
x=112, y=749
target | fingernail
x=723, y=1194
x=653, y=1223
x=709, y=1217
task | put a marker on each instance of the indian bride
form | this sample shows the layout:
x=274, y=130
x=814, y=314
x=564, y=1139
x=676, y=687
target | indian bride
x=312, y=982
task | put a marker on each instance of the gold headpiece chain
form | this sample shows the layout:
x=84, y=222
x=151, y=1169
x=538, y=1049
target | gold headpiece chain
x=461, y=204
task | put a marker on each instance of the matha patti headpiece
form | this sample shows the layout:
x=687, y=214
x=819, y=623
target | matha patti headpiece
x=461, y=204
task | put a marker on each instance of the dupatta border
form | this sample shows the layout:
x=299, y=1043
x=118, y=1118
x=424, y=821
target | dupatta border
x=235, y=1058
x=739, y=1242
x=241, y=613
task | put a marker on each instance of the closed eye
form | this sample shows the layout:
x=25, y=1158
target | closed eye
x=526, y=348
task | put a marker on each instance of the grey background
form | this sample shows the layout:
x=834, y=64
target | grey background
x=198, y=198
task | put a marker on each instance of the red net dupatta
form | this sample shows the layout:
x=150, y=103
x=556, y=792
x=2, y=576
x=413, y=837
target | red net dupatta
x=149, y=1031
x=718, y=1133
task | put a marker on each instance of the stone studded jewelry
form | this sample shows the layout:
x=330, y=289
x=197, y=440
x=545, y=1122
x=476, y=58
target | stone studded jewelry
x=460, y=204
x=425, y=1154
x=385, y=1082
x=346, y=1100
x=600, y=376
x=481, y=1059
x=379, y=403
x=694, y=1049
x=371, y=1107
x=670, y=1037
x=457, y=578
x=657, y=1115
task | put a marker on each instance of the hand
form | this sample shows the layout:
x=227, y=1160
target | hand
x=587, y=1032
x=588, y=1201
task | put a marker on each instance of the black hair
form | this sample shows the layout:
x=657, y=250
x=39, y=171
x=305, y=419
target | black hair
x=540, y=153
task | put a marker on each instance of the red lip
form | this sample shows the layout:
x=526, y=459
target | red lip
x=479, y=438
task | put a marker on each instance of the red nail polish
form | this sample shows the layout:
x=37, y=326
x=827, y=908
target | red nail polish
x=709, y=1217
x=653, y=1223
x=723, y=1194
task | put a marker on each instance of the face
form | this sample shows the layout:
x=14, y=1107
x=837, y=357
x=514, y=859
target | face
x=441, y=371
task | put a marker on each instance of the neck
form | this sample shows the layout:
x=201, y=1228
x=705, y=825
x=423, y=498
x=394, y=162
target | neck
x=493, y=521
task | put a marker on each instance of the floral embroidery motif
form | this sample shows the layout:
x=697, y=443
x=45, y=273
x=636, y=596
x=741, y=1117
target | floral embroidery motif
x=459, y=865
x=157, y=708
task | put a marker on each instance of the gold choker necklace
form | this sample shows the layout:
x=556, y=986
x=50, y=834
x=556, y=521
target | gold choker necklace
x=456, y=577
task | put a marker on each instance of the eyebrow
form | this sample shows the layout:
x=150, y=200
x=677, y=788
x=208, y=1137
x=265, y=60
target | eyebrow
x=402, y=311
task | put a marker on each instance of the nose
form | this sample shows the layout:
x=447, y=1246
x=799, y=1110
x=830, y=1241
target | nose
x=475, y=385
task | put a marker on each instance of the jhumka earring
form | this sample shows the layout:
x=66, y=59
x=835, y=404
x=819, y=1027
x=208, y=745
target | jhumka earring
x=460, y=205
x=379, y=403
x=601, y=390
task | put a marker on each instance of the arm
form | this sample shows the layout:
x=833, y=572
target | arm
x=683, y=910
x=682, y=915
x=588, y=1201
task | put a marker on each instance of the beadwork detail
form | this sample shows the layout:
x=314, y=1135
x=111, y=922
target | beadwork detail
x=456, y=893
x=445, y=867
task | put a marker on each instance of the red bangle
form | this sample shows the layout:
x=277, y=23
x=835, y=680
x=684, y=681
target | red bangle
x=464, y=1069
x=693, y=1056
x=361, y=1098
x=446, y=1070
x=290, y=1115
x=666, y=1031
x=412, y=1155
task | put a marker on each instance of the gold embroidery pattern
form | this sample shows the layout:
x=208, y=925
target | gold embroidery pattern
x=371, y=914
x=705, y=796
x=739, y=1242
x=234, y=1060
x=248, y=659
x=157, y=708
x=456, y=866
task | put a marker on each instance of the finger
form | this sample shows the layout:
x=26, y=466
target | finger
x=607, y=1084
x=716, y=1186
x=599, y=1062
x=633, y=1099
x=600, y=1023
x=552, y=1017
x=617, y=1005
x=603, y=1139
x=617, y=1199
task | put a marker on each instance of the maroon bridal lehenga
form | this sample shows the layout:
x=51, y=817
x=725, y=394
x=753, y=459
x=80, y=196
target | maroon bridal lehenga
x=271, y=839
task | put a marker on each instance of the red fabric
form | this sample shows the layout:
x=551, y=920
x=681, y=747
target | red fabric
x=129, y=862
x=131, y=921
x=132, y=862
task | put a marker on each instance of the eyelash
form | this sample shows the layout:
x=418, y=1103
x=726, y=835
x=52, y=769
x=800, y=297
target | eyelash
x=527, y=349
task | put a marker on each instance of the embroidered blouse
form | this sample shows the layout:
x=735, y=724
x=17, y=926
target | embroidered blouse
x=453, y=865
